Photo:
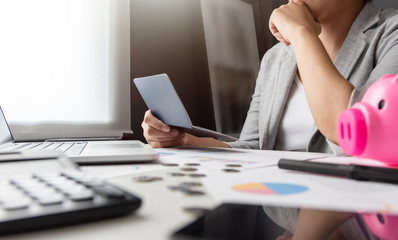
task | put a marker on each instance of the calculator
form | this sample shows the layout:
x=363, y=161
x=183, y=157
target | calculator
x=44, y=190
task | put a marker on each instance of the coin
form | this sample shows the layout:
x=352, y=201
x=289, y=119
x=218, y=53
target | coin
x=178, y=188
x=170, y=164
x=233, y=165
x=192, y=164
x=193, y=192
x=176, y=174
x=147, y=179
x=197, y=175
x=231, y=170
x=190, y=184
x=189, y=169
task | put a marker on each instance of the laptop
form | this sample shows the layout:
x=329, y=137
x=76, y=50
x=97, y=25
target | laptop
x=162, y=99
x=82, y=152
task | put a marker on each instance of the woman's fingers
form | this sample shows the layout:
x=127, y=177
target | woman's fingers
x=154, y=128
x=164, y=144
x=155, y=135
x=280, y=38
x=286, y=20
x=160, y=135
x=152, y=121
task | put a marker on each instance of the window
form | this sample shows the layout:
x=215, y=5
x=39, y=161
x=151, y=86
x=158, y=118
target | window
x=65, y=67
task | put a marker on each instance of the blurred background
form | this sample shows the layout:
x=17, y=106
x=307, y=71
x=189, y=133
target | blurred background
x=66, y=66
x=211, y=49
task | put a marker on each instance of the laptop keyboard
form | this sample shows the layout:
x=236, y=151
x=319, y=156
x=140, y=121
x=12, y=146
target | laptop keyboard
x=69, y=148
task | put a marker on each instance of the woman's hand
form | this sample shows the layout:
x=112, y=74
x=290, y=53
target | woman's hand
x=287, y=20
x=160, y=135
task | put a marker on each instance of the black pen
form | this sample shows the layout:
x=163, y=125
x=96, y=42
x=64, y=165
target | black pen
x=352, y=171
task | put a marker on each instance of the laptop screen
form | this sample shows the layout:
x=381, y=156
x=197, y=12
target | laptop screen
x=5, y=134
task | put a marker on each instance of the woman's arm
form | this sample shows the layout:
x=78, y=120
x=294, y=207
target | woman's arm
x=328, y=93
x=319, y=224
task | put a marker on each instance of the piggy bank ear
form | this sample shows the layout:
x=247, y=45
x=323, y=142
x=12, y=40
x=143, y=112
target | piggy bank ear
x=395, y=80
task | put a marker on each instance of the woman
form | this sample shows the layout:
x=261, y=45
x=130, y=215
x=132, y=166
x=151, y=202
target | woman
x=330, y=53
x=336, y=57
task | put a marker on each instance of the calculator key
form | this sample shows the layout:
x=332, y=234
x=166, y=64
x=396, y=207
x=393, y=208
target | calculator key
x=42, y=193
x=58, y=181
x=109, y=191
x=72, y=173
x=69, y=190
x=47, y=175
x=16, y=204
x=12, y=198
x=61, y=185
x=10, y=193
x=20, y=181
x=31, y=186
x=82, y=178
x=50, y=200
x=89, y=180
x=82, y=195
x=4, y=182
x=93, y=183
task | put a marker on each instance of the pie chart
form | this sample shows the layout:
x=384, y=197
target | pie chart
x=270, y=188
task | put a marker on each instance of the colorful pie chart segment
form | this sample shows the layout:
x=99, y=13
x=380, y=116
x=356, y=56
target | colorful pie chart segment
x=270, y=188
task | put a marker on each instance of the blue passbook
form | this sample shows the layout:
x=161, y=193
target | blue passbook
x=163, y=101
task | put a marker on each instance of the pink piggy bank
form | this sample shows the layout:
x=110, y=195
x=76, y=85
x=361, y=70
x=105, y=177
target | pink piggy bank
x=384, y=226
x=369, y=129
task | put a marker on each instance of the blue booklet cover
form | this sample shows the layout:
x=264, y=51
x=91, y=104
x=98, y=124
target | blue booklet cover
x=163, y=101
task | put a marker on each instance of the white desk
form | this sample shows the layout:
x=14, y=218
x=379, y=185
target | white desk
x=160, y=214
x=162, y=210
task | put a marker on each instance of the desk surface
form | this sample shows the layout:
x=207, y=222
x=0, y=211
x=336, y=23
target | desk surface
x=162, y=211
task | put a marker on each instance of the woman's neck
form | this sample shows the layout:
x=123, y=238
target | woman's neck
x=335, y=29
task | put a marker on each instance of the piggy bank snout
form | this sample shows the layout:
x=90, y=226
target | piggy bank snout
x=352, y=131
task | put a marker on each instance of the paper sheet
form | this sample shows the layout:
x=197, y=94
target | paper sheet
x=219, y=158
x=112, y=171
x=295, y=189
x=260, y=181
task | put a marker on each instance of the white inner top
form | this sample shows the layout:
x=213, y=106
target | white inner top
x=297, y=124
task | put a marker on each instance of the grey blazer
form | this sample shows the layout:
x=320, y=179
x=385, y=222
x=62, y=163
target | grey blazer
x=369, y=51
